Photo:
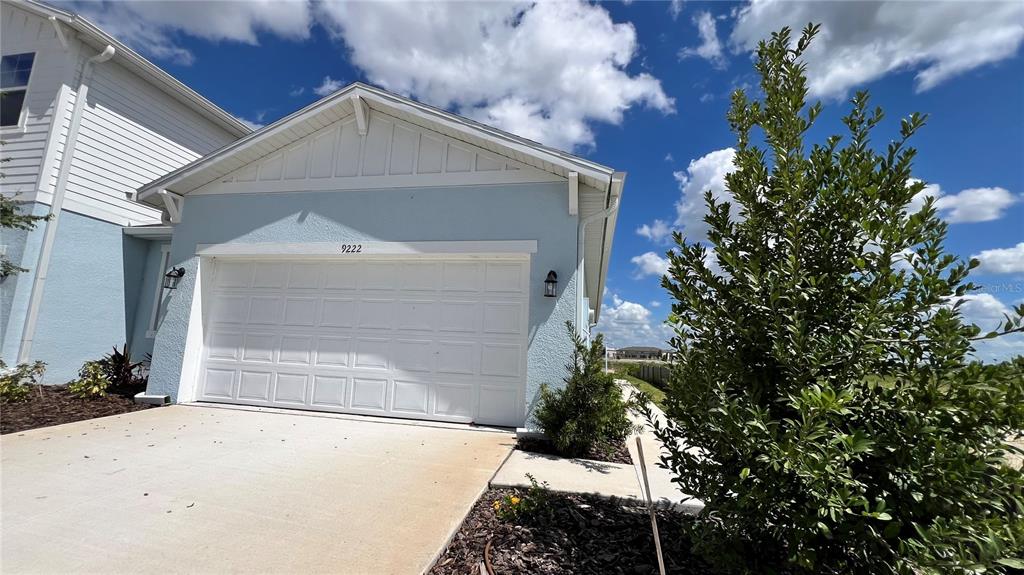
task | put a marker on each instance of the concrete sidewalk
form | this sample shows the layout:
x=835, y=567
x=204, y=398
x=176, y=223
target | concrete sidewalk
x=598, y=477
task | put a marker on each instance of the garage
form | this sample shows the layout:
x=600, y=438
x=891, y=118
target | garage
x=439, y=339
x=371, y=255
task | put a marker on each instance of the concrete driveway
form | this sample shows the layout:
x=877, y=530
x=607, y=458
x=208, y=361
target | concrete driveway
x=210, y=490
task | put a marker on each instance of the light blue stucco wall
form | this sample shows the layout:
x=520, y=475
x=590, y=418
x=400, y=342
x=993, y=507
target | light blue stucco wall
x=501, y=212
x=22, y=248
x=84, y=312
x=152, y=274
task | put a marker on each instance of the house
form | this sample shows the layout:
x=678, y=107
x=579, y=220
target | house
x=640, y=352
x=370, y=254
x=86, y=121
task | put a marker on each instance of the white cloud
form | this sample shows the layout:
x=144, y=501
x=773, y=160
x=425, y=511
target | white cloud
x=705, y=173
x=970, y=205
x=988, y=313
x=252, y=125
x=327, y=87
x=658, y=231
x=626, y=323
x=295, y=92
x=544, y=71
x=654, y=303
x=150, y=26
x=675, y=8
x=710, y=47
x=863, y=41
x=668, y=157
x=650, y=264
x=1001, y=261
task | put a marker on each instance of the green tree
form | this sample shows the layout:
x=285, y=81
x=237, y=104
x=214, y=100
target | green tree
x=12, y=218
x=822, y=404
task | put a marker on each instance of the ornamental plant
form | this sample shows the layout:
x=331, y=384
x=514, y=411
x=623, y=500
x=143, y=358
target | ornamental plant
x=519, y=507
x=823, y=404
x=92, y=381
x=16, y=383
x=589, y=412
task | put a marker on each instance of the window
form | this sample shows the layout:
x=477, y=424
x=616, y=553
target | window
x=156, y=315
x=14, y=73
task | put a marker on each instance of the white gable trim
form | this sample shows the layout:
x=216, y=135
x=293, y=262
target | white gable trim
x=392, y=153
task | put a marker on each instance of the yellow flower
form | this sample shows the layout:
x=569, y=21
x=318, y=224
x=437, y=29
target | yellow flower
x=497, y=504
x=515, y=500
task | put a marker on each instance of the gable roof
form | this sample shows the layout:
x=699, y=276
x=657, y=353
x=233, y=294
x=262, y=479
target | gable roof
x=130, y=59
x=603, y=181
x=340, y=105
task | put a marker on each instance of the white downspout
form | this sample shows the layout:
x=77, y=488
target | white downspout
x=581, y=236
x=56, y=204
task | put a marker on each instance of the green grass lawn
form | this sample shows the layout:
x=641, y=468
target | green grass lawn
x=656, y=395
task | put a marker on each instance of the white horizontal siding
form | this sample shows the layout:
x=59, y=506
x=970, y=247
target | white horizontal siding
x=22, y=32
x=131, y=133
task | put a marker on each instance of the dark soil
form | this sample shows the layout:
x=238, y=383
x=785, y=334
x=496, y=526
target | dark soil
x=53, y=405
x=582, y=534
x=610, y=453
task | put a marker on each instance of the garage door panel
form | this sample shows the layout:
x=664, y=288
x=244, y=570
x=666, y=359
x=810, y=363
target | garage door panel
x=304, y=276
x=369, y=393
x=300, y=311
x=424, y=339
x=255, y=385
x=410, y=396
x=329, y=391
x=333, y=351
x=265, y=310
x=291, y=388
x=501, y=359
x=296, y=349
x=376, y=314
x=259, y=347
x=219, y=383
x=371, y=353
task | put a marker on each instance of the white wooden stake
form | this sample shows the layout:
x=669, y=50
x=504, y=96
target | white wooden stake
x=650, y=506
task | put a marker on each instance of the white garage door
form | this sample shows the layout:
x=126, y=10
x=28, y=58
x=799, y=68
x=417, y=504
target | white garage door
x=430, y=339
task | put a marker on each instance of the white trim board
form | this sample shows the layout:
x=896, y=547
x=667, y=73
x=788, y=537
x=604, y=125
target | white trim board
x=370, y=249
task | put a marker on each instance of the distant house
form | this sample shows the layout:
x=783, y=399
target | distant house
x=640, y=352
x=86, y=121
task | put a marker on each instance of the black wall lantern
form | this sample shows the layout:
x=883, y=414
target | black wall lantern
x=550, y=284
x=172, y=278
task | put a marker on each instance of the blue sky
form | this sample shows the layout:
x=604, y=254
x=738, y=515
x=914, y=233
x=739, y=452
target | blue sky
x=643, y=87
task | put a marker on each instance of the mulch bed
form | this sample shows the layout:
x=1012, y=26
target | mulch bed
x=53, y=405
x=584, y=534
x=614, y=453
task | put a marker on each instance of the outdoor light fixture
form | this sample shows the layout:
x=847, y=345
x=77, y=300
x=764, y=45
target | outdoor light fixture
x=172, y=278
x=550, y=284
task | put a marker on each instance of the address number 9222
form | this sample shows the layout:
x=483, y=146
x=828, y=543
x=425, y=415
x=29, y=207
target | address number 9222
x=351, y=248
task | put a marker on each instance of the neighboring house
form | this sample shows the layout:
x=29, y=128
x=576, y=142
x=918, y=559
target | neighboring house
x=370, y=254
x=640, y=352
x=86, y=121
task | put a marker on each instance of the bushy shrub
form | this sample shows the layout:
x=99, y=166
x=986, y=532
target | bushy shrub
x=15, y=384
x=823, y=404
x=589, y=411
x=92, y=381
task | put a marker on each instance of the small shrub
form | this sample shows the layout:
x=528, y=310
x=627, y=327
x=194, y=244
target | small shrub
x=520, y=507
x=15, y=384
x=125, y=376
x=589, y=411
x=92, y=381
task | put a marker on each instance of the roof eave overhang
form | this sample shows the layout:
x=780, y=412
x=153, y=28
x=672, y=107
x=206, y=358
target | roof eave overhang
x=615, y=187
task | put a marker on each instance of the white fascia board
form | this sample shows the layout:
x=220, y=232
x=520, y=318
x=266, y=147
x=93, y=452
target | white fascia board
x=366, y=94
x=574, y=193
x=370, y=249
